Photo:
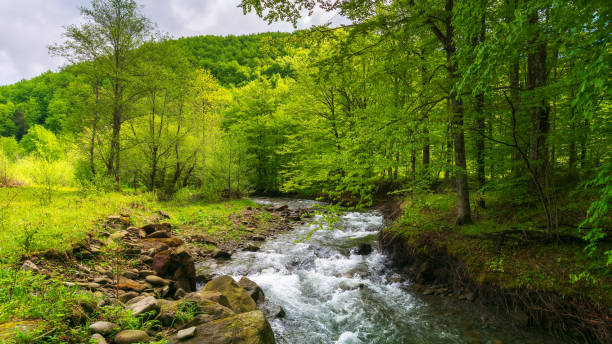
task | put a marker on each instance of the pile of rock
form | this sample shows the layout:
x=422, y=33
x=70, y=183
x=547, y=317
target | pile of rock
x=227, y=312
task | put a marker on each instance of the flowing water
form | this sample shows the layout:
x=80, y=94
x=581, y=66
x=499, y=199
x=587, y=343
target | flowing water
x=332, y=295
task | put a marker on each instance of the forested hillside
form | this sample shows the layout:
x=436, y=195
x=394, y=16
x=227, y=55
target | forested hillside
x=489, y=119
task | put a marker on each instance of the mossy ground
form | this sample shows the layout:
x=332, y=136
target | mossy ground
x=515, y=262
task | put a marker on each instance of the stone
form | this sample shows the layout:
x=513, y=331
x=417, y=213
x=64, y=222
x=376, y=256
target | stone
x=213, y=296
x=219, y=254
x=93, y=286
x=395, y=278
x=147, y=304
x=146, y=259
x=280, y=207
x=128, y=284
x=104, y=328
x=97, y=338
x=428, y=291
x=252, y=289
x=253, y=328
x=177, y=265
x=28, y=265
x=131, y=336
x=161, y=244
x=273, y=311
x=156, y=227
x=364, y=249
x=157, y=281
x=258, y=238
x=180, y=293
x=125, y=297
x=103, y=280
x=240, y=301
x=469, y=296
x=159, y=234
x=186, y=333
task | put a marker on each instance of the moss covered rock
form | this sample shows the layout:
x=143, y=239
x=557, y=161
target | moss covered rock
x=245, y=328
x=239, y=299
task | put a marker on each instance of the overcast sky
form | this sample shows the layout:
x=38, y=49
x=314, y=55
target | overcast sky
x=27, y=27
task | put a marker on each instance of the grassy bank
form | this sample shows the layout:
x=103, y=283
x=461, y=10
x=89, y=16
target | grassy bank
x=33, y=220
x=507, y=249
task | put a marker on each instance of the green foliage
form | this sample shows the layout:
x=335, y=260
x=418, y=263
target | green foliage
x=41, y=142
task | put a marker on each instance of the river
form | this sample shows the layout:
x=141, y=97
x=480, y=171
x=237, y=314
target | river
x=332, y=295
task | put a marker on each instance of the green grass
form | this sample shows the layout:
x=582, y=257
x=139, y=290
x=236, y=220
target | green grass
x=29, y=223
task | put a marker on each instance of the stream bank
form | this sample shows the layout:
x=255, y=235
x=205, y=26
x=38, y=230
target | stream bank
x=437, y=267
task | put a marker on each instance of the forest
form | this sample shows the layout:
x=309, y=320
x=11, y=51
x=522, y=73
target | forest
x=488, y=120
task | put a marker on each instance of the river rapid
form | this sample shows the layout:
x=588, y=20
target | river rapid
x=330, y=294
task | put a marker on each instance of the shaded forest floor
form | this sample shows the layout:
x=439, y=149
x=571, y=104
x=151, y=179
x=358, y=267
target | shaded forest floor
x=507, y=250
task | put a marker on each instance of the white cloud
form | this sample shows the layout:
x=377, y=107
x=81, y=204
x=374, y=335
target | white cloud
x=29, y=26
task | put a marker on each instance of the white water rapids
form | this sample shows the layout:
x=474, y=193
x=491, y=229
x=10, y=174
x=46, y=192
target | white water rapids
x=332, y=295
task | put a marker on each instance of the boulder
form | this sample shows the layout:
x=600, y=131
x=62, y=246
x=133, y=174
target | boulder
x=240, y=301
x=251, y=327
x=131, y=336
x=179, y=293
x=97, y=338
x=147, y=304
x=104, y=328
x=178, y=265
x=252, y=288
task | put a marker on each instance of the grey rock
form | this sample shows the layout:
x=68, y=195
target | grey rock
x=186, y=333
x=104, y=328
x=145, y=305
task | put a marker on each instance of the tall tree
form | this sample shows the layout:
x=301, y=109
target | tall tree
x=109, y=37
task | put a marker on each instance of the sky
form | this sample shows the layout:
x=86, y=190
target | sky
x=27, y=27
